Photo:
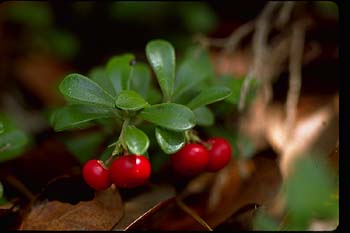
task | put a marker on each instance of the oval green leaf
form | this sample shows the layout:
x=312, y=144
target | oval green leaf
x=99, y=76
x=193, y=70
x=136, y=140
x=204, y=116
x=161, y=56
x=81, y=89
x=130, y=100
x=208, y=96
x=141, y=79
x=170, y=141
x=73, y=116
x=171, y=116
x=119, y=71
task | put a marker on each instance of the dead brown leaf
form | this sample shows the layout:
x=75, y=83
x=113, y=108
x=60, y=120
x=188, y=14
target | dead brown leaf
x=259, y=188
x=101, y=213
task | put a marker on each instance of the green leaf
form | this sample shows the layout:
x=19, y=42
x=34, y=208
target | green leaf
x=141, y=79
x=1, y=127
x=193, y=70
x=130, y=100
x=263, y=222
x=170, y=116
x=204, y=116
x=208, y=96
x=73, y=116
x=197, y=17
x=13, y=141
x=308, y=189
x=99, y=76
x=154, y=96
x=170, y=141
x=136, y=140
x=119, y=71
x=161, y=56
x=80, y=89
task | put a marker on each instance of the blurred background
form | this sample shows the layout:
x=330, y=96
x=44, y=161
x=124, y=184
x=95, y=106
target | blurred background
x=41, y=42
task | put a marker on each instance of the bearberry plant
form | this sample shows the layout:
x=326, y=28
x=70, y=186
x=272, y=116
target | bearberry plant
x=122, y=92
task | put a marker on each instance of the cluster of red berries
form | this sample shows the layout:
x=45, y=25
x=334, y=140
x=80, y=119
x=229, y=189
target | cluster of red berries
x=130, y=171
x=127, y=171
x=194, y=158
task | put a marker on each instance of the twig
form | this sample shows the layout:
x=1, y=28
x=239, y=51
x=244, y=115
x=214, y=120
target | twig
x=295, y=73
x=285, y=13
x=20, y=187
x=236, y=37
x=259, y=49
x=193, y=214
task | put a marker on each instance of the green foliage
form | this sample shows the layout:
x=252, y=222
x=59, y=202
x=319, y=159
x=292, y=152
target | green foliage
x=136, y=140
x=122, y=91
x=204, y=116
x=33, y=14
x=1, y=127
x=119, y=71
x=209, y=96
x=130, y=100
x=141, y=80
x=161, y=56
x=13, y=141
x=193, y=73
x=308, y=194
x=263, y=222
x=197, y=17
x=170, y=116
x=170, y=141
x=75, y=116
x=80, y=89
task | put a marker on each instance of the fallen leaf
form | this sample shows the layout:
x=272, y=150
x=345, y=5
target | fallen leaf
x=259, y=188
x=101, y=213
x=136, y=208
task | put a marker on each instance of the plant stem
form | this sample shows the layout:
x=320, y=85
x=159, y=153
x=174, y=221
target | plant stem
x=193, y=214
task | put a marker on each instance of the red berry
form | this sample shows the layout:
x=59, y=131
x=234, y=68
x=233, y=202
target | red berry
x=130, y=171
x=96, y=175
x=219, y=154
x=190, y=160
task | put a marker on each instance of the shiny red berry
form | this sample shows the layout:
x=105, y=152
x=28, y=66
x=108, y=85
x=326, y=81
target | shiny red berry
x=219, y=154
x=130, y=171
x=190, y=160
x=96, y=175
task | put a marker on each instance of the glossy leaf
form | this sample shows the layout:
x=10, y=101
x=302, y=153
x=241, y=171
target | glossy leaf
x=193, y=70
x=170, y=116
x=208, y=96
x=73, y=116
x=136, y=140
x=170, y=141
x=204, y=116
x=81, y=89
x=141, y=79
x=119, y=71
x=99, y=75
x=161, y=56
x=130, y=100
